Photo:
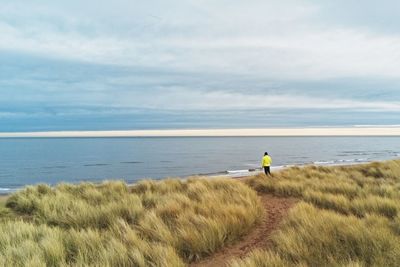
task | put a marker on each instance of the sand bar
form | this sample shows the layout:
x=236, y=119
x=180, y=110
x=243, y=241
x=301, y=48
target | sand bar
x=352, y=131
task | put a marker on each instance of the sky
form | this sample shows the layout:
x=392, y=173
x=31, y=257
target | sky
x=125, y=64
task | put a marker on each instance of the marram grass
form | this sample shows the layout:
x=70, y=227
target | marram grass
x=348, y=216
x=357, y=190
x=166, y=223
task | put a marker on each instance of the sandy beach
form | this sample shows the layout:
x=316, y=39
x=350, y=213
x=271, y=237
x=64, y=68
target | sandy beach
x=349, y=131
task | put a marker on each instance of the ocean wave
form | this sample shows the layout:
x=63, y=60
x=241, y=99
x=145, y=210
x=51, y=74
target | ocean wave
x=322, y=162
x=5, y=189
x=96, y=165
x=237, y=171
x=55, y=167
x=353, y=151
x=340, y=161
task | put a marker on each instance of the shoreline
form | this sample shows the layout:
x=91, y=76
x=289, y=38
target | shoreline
x=239, y=174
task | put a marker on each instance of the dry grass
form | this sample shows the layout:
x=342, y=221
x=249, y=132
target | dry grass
x=167, y=223
x=349, y=216
x=5, y=214
x=357, y=190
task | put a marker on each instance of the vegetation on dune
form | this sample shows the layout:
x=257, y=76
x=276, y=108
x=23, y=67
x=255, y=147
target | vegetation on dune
x=314, y=237
x=349, y=216
x=357, y=190
x=27, y=244
x=346, y=216
x=165, y=223
x=5, y=213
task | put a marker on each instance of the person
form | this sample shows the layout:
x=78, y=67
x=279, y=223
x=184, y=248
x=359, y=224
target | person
x=266, y=163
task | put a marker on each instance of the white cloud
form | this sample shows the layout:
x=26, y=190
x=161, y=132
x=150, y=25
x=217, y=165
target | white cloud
x=195, y=55
x=182, y=99
x=263, y=39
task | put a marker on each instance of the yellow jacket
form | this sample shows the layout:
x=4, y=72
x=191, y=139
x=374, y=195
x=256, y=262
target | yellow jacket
x=266, y=161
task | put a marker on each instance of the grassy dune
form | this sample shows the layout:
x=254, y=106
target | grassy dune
x=348, y=216
x=167, y=223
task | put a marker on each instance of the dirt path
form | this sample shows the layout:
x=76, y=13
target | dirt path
x=276, y=209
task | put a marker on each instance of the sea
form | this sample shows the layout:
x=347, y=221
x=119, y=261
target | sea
x=26, y=161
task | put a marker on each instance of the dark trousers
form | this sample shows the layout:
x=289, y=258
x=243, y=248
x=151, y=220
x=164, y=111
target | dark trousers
x=267, y=170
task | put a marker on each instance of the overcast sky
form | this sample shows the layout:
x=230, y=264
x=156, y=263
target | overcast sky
x=123, y=64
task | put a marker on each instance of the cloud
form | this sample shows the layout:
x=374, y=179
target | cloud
x=181, y=99
x=264, y=38
x=74, y=58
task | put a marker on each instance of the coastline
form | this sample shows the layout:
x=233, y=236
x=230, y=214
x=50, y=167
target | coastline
x=237, y=174
x=252, y=172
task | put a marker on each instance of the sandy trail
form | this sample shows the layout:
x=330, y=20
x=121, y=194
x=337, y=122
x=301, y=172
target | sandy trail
x=276, y=209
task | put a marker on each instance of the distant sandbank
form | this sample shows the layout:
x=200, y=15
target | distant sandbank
x=350, y=131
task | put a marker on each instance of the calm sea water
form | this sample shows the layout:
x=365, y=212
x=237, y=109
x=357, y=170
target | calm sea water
x=31, y=161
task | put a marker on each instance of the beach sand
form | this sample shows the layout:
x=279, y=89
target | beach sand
x=344, y=131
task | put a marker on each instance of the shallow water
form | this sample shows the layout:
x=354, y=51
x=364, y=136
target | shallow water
x=31, y=161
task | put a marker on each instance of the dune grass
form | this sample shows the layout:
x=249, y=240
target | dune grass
x=166, y=223
x=3, y=199
x=348, y=216
x=357, y=190
x=5, y=213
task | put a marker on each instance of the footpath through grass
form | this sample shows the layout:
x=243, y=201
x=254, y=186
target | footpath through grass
x=166, y=223
x=348, y=216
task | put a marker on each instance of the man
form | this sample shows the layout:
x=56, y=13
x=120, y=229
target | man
x=266, y=163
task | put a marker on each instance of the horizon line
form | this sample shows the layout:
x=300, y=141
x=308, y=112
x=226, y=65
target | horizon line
x=315, y=131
